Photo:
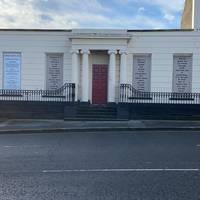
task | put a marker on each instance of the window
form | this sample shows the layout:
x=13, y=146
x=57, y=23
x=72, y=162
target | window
x=54, y=71
x=182, y=74
x=142, y=72
x=12, y=70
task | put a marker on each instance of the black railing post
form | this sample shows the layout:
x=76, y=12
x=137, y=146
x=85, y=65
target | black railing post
x=73, y=92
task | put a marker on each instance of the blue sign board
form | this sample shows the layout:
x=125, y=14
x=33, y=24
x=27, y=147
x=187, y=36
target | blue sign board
x=12, y=70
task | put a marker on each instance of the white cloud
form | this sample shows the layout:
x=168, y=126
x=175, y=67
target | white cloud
x=171, y=6
x=169, y=17
x=141, y=9
x=168, y=8
x=22, y=14
x=67, y=14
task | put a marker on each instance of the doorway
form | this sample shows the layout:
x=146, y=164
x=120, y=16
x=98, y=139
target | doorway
x=99, y=84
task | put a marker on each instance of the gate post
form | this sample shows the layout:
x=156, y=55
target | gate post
x=123, y=111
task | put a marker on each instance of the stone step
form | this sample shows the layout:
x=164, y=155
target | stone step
x=96, y=113
x=97, y=116
x=97, y=109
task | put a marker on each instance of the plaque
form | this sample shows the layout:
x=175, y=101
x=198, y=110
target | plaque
x=182, y=74
x=12, y=71
x=142, y=73
x=54, y=71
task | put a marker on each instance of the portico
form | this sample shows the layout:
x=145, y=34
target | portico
x=81, y=66
x=98, y=68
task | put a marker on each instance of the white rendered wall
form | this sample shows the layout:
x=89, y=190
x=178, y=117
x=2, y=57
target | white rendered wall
x=163, y=45
x=33, y=46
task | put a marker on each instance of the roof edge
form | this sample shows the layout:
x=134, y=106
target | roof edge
x=71, y=30
x=160, y=30
x=37, y=30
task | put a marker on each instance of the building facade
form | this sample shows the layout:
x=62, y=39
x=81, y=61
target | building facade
x=99, y=61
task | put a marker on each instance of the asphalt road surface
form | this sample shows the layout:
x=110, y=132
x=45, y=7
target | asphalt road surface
x=100, y=166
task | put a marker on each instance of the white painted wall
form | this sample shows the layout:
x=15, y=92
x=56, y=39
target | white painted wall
x=33, y=46
x=162, y=45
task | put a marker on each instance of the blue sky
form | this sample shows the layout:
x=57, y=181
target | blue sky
x=67, y=14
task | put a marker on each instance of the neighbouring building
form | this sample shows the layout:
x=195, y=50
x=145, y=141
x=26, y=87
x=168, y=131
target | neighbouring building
x=98, y=61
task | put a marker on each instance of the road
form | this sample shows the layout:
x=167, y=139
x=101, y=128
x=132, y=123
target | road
x=100, y=166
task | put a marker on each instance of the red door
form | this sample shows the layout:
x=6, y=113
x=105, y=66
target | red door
x=99, y=84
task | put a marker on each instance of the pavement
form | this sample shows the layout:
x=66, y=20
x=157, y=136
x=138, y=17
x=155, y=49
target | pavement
x=42, y=126
x=103, y=165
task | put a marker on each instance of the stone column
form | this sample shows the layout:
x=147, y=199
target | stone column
x=123, y=67
x=75, y=71
x=112, y=76
x=85, y=76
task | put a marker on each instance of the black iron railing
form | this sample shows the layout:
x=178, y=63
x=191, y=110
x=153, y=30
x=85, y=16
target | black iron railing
x=128, y=94
x=64, y=94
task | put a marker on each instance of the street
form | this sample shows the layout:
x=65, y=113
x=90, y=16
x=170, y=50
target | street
x=100, y=166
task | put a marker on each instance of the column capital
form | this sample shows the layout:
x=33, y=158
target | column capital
x=123, y=52
x=112, y=51
x=74, y=51
x=85, y=51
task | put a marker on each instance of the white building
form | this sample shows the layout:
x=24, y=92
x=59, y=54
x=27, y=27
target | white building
x=98, y=61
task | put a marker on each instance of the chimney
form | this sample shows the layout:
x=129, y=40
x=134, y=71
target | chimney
x=186, y=22
x=191, y=15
